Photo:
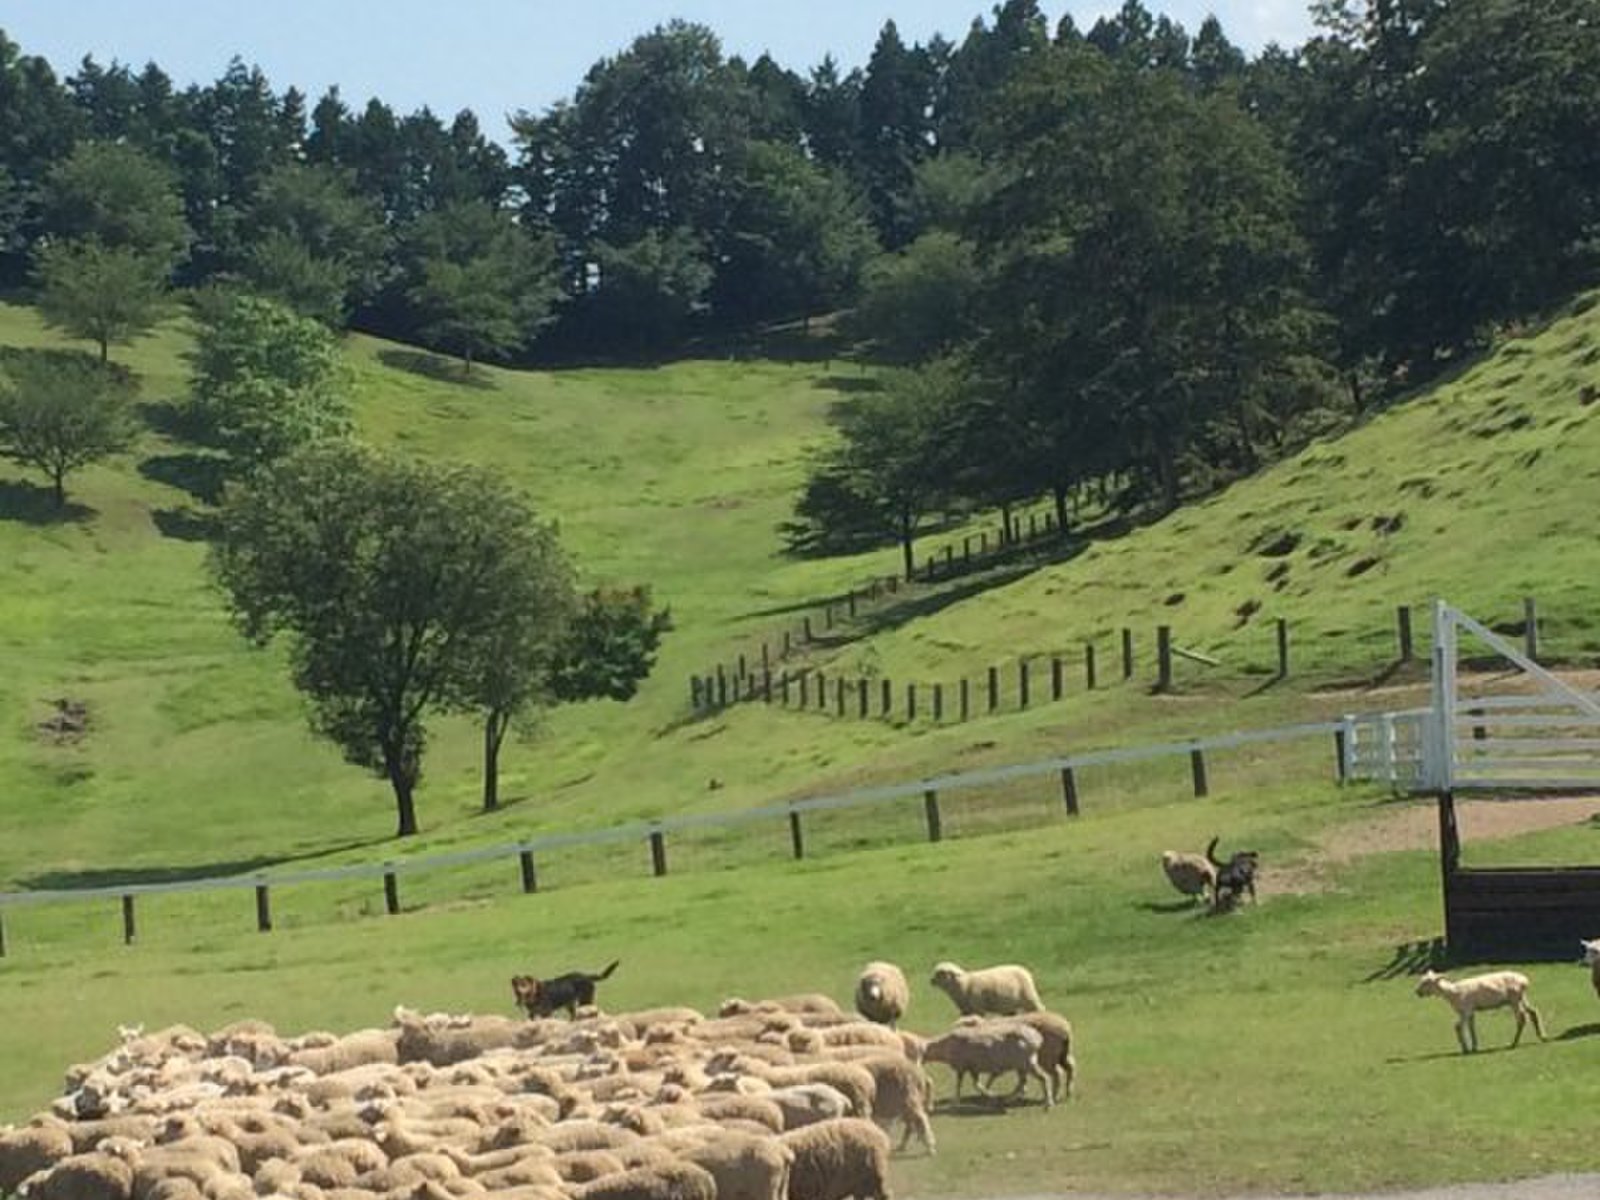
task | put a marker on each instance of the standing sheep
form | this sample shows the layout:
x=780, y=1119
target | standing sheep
x=1497, y=989
x=882, y=994
x=992, y=1048
x=1002, y=990
x=839, y=1158
x=1591, y=959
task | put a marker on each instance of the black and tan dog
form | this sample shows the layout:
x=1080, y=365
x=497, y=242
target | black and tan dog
x=542, y=997
x=1235, y=877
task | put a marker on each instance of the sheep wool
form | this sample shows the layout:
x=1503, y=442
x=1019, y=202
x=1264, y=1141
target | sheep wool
x=1000, y=991
x=882, y=994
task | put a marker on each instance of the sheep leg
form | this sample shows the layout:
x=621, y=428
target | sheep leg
x=1044, y=1081
x=1069, y=1070
x=1467, y=1033
x=1538, y=1025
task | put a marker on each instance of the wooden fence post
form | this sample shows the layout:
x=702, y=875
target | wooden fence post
x=822, y=691
x=983, y=542
x=938, y=702
x=694, y=692
x=530, y=875
x=1058, y=676
x=1340, y=752
x=1163, y=658
x=788, y=643
x=722, y=687
x=1283, y=648
x=827, y=615
x=129, y=930
x=2, y=933
x=805, y=692
x=949, y=560
x=887, y=699
x=1022, y=682
x=1530, y=628
x=1197, y=768
x=850, y=603
x=766, y=684
x=263, y=909
x=391, y=891
x=838, y=696
x=742, y=667
x=658, y=852
x=1088, y=665
x=1033, y=526
x=861, y=698
x=1127, y=653
x=807, y=629
x=1069, y=791
x=796, y=837
x=1402, y=616
x=911, y=702
x=994, y=688
x=930, y=807
x=966, y=548
x=966, y=698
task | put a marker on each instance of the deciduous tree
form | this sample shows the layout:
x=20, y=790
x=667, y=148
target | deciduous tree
x=61, y=410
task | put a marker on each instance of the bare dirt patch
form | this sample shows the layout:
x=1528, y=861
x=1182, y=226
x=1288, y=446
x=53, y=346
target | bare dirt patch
x=1414, y=825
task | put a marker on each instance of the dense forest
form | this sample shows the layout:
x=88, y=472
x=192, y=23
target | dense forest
x=1129, y=258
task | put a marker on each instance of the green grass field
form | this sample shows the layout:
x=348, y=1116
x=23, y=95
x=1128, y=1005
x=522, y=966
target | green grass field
x=198, y=762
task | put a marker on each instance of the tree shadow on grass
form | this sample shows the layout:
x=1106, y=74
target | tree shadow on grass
x=434, y=366
x=851, y=385
x=1411, y=958
x=109, y=877
x=185, y=524
x=175, y=419
x=200, y=475
x=33, y=504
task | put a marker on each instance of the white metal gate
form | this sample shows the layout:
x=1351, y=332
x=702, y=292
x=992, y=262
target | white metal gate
x=1542, y=735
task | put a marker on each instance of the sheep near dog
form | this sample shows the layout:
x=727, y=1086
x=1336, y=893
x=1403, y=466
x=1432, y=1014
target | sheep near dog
x=834, y=1159
x=1591, y=959
x=1001, y=991
x=1191, y=874
x=989, y=1048
x=882, y=994
x=1497, y=989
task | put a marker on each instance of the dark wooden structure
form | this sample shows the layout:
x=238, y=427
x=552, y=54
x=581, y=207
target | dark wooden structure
x=1513, y=913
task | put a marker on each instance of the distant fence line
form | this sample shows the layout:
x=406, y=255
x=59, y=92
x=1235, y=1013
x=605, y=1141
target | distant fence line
x=655, y=833
x=978, y=552
x=1012, y=686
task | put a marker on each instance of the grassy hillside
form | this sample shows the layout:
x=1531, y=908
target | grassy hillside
x=197, y=761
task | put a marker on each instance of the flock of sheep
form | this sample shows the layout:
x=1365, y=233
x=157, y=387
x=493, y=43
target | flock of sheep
x=783, y=1099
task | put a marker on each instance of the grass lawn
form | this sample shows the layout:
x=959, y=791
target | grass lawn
x=1267, y=1050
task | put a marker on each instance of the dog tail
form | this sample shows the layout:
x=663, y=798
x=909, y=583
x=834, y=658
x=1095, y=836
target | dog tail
x=1211, y=852
x=606, y=974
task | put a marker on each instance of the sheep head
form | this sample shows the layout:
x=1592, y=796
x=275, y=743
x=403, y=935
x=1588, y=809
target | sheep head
x=946, y=975
x=1428, y=985
x=1591, y=952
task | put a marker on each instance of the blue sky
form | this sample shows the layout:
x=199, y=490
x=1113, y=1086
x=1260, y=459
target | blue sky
x=498, y=56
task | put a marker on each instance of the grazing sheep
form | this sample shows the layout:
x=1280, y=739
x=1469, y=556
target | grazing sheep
x=1497, y=989
x=882, y=994
x=807, y=1002
x=32, y=1148
x=585, y=1166
x=1055, y=1054
x=731, y=1106
x=902, y=1092
x=93, y=1176
x=745, y=1167
x=1191, y=874
x=839, y=1158
x=1591, y=959
x=1002, y=990
x=852, y=1081
x=992, y=1048
x=808, y=1103
x=668, y=1181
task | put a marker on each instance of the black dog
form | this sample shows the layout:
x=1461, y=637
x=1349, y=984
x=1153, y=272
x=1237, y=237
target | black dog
x=542, y=997
x=1234, y=877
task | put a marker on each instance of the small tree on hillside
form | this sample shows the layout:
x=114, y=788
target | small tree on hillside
x=393, y=580
x=267, y=380
x=103, y=294
x=61, y=410
x=611, y=645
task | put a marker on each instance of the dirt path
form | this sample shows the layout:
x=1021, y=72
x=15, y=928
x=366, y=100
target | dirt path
x=1414, y=825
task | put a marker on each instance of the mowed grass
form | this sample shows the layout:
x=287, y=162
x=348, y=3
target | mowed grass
x=1250, y=1052
x=1272, y=1049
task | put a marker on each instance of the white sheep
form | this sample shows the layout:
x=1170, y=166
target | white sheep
x=882, y=994
x=839, y=1158
x=744, y=1167
x=1591, y=959
x=992, y=1048
x=1192, y=874
x=1001, y=990
x=1497, y=989
x=1055, y=1052
x=666, y=1181
x=901, y=1092
x=808, y=1103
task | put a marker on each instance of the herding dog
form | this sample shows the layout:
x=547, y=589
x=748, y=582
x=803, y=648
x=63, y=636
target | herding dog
x=1234, y=877
x=542, y=997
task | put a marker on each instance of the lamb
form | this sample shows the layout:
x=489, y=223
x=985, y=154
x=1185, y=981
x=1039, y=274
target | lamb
x=839, y=1158
x=1591, y=959
x=992, y=1048
x=882, y=994
x=1002, y=990
x=674, y=1181
x=854, y=1083
x=745, y=1167
x=1496, y=989
x=1191, y=874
